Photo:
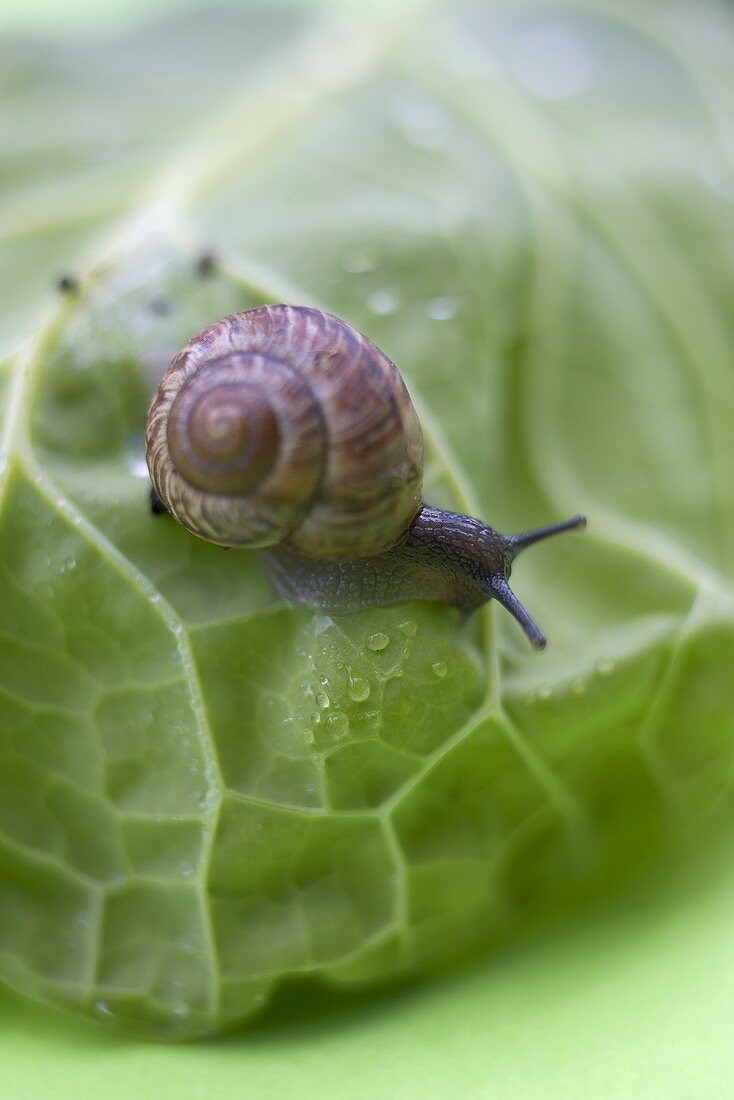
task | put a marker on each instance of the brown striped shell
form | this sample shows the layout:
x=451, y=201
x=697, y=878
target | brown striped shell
x=284, y=424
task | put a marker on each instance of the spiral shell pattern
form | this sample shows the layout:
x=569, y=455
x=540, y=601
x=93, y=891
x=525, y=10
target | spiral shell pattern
x=284, y=424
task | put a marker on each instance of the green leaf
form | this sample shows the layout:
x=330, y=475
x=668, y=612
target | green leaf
x=205, y=796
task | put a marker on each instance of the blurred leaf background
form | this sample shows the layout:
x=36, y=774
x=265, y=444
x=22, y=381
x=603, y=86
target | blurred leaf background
x=589, y=200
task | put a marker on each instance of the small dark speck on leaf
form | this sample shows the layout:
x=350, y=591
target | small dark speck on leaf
x=206, y=265
x=160, y=306
x=67, y=284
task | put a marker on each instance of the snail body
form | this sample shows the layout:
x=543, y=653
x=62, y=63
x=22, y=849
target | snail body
x=284, y=429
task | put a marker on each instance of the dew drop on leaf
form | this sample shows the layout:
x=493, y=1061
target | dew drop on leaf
x=134, y=456
x=424, y=123
x=441, y=309
x=382, y=302
x=552, y=62
x=359, y=689
x=338, y=724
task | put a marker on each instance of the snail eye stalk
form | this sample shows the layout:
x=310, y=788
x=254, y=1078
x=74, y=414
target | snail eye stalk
x=515, y=543
x=504, y=595
x=497, y=581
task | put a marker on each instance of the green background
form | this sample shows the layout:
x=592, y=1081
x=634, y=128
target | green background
x=649, y=1015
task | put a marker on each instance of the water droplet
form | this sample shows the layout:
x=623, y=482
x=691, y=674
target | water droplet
x=578, y=687
x=552, y=62
x=180, y=1009
x=101, y=1008
x=306, y=688
x=322, y=700
x=409, y=628
x=359, y=688
x=440, y=668
x=605, y=667
x=308, y=736
x=288, y=722
x=324, y=680
x=358, y=260
x=378, y=641
x=134, y=454
x=441, y=309
x=424, y=123
x=382, y=302
x=186, y=868
x=338, y=724
x=316, y=718
x=372, y=717
x=544, y=691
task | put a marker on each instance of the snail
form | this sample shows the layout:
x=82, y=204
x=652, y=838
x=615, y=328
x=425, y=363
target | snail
x=284, y=429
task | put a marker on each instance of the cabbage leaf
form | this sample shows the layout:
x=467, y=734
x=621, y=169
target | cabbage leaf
x=204, y=795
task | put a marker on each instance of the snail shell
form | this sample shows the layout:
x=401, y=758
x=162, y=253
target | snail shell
x=283, y=424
